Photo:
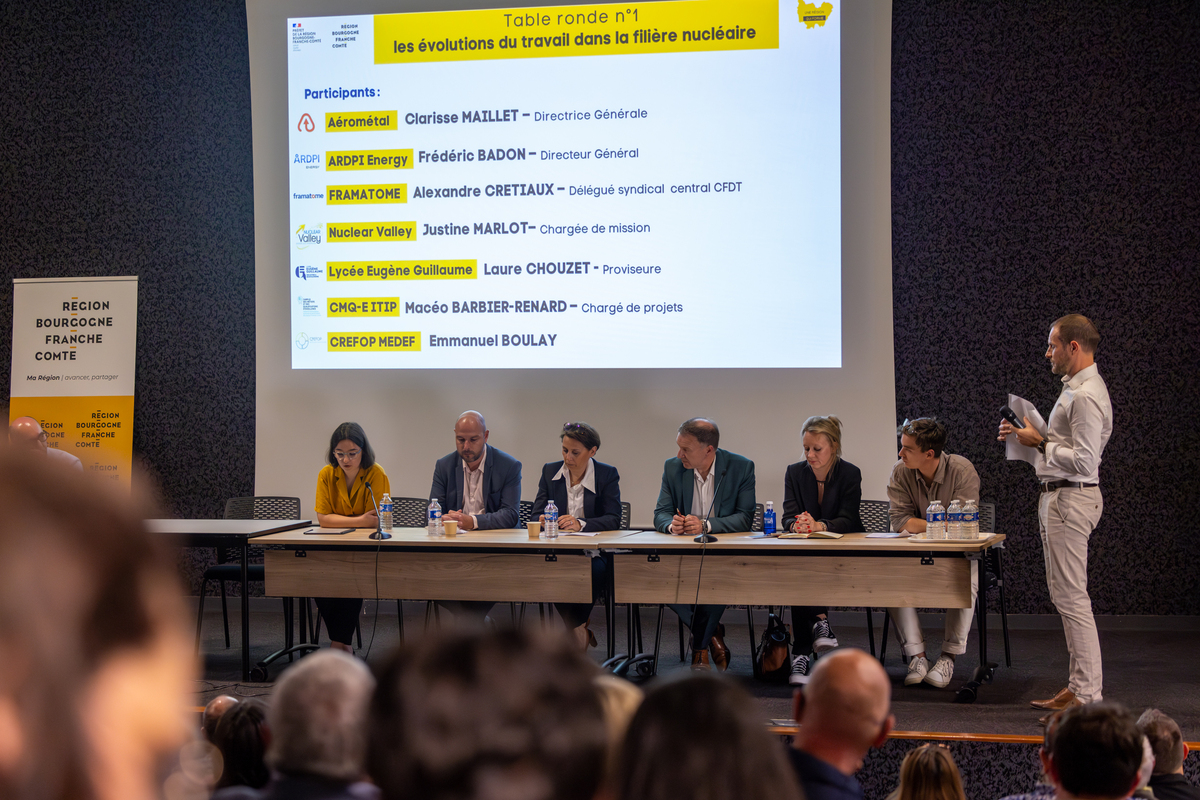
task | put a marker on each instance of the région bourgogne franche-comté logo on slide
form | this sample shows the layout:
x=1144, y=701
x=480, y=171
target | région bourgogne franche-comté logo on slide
x=306, y=236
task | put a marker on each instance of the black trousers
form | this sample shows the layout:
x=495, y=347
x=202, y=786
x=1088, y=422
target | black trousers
x=340, y=615
x=803, y=619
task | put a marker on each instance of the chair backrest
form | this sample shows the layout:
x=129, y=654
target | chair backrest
x=626, y=515
x=757, y=525
x=410, y=512
x=987, y=517
x=523, y=511
x=874, y=515
x=262, y=508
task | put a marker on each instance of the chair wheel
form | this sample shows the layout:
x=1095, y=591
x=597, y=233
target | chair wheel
x=259, y=674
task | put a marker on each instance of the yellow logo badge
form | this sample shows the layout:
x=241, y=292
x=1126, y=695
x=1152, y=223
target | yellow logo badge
x=813, y=15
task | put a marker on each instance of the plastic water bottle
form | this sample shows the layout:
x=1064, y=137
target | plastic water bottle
x=970, y=520
x=385, y=512
x=435, y=519
x=935, y=521
x=550, y=528
x=769, y=519
x=954, y=520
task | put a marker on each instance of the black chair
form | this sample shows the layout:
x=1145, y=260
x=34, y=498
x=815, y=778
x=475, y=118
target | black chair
x=413, y=512
x=224, y=571
x=875, y=519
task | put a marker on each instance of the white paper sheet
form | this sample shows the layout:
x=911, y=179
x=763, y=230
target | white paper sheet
x=1014, y=450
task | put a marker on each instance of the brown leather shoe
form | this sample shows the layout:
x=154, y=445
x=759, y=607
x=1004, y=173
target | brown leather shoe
x=700, y=661
x=1045, y=719
x=720, y=653
x=1056, y=703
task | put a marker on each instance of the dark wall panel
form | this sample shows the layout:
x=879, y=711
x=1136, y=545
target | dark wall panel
x=1044, y=161
x=127, y=151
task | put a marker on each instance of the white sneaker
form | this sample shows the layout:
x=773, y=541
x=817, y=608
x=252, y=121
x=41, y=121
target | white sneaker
x=941, y=673
x=823, y=638
x=918, y=668
x=801, y=666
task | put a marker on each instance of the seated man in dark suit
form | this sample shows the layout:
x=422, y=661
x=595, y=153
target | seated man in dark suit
x=705, y=490
x=1166, y=740
x=478, y=486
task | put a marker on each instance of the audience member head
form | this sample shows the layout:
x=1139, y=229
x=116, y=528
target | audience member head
x=351, y=431
x=703, y=738
x=25, y=433
x=619, y=700
x=1047, y=748
x=96, y=666
x=212, y=714
x=929, y=773
x=319, y=717
x=1097, y=752
x=844, y=710
x=1166, y=741
x=927, y=434
x=487, y=715
x=242, y=736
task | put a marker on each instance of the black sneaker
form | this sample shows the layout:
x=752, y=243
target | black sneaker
x=823, y=638
x=801, y=666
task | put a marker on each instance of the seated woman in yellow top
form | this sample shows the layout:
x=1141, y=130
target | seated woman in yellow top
x=343, y=501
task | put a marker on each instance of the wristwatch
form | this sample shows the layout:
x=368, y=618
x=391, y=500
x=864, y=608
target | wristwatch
x=1041, y=446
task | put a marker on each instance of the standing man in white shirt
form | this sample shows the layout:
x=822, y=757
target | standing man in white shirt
x=1070, y=504
x=27, y=432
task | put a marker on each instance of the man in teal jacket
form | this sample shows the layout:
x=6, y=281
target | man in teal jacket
x=705, y=490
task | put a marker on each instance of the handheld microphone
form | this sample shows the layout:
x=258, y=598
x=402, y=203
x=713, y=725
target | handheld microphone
x=1011, y=417
x=379, y=533
x=706, y=537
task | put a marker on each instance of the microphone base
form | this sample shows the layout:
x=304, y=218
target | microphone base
x=380, y=535
x=705, y=538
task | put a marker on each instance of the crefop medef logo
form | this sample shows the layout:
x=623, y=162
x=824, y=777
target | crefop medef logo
x=306, y=236
x=306, y=123
x=307, y=160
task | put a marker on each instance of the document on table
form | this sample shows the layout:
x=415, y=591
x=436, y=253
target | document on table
x=887, y=534
x=1014, y=450
x=580, y=533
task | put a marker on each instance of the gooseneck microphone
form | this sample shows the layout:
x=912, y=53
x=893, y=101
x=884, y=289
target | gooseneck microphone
x=379, y=533
x=706, y=537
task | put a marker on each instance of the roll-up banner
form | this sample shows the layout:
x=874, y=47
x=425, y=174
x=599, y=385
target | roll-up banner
x=73, y=353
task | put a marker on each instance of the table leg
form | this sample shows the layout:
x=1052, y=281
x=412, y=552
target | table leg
x=245, y=612
x=981, y=611
x=610, y=609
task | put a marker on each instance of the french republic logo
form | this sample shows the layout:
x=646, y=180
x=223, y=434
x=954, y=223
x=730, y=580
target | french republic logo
x=306, y=123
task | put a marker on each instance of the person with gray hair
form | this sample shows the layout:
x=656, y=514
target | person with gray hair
x=318, y=722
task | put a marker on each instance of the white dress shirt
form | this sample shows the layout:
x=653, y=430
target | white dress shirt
x=575, y=493
x=473, y=500
x=1078, y=430
x=702, y=494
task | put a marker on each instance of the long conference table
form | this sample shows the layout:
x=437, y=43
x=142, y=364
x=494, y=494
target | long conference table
x=646, y=568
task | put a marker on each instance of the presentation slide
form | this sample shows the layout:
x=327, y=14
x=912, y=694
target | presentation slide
x=649, y=185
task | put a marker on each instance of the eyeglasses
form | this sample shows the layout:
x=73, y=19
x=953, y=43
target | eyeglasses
x=339, y=455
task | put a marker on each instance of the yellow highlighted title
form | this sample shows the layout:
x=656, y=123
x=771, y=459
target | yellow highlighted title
x=350, y=121
x=389, y=342
x=363, y=306
x=371, y=231
x=338, y=160
x=461, y=269
x=673, y=26
x=364, y=194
